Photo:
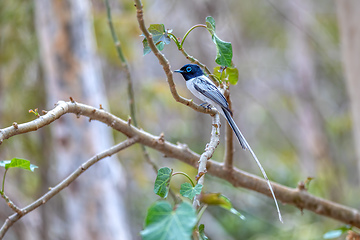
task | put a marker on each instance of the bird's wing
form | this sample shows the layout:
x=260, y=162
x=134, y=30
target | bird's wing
x=210, y=91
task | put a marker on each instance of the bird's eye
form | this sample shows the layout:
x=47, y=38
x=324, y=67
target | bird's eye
x=188, y=69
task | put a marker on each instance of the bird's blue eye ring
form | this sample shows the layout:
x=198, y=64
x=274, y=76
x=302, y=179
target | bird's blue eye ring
x=188, y=69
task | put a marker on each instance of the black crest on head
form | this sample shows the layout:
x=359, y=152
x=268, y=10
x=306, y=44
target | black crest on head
x=190, y=71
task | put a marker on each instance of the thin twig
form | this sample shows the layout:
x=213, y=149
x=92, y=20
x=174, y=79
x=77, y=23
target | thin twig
x=124, y=63
x=129, y=81
x=66, y=182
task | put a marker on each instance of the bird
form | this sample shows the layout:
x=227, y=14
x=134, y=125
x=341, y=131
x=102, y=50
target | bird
x=205, y=90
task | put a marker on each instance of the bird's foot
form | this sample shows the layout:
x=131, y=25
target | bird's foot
x=206, y=105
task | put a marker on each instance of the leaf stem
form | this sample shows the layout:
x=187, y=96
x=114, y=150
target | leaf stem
x=176, y=173
x=187, y=33
x=3, y=182
x=174, y=38
x=201, y=212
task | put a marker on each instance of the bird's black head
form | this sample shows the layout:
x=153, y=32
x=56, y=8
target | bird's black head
x=190, y=71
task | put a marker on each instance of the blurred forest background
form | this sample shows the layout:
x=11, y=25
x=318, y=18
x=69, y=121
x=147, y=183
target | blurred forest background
x=291, y=103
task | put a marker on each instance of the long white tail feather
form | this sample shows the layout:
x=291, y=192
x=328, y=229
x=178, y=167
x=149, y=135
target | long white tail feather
x=245, y=145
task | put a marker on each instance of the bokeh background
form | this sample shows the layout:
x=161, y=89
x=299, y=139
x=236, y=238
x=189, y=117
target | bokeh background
x=291, y=103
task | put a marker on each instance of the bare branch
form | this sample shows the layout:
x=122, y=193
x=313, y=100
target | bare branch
x=294, y=196
x=66, y=182
x=229, y=143
x=209, y=151
x=10, y=203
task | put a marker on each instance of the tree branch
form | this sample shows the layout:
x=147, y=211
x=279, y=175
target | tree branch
x=66, y=182
x=294, y=196
x=209, y=151
x=10, y=203
x=229, y=143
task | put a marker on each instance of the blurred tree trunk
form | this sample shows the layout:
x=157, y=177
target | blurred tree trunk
x=312, y=141
x=348, y=12
x=93, y=206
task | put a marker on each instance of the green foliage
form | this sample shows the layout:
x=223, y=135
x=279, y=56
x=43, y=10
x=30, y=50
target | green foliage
x=224, y=51
x=18, y=163
x=228, y=74
x=162, y=182
x=187, y=190
x=221, y=201
x=337, y=232
x=15, y=163
x=160, y=218
x=164, y=222
x=202, y=232
x=160, y=37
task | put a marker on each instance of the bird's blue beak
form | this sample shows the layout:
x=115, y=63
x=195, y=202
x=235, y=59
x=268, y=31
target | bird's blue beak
x=179, y=71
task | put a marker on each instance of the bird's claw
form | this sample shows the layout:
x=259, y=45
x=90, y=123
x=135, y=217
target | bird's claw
x=207, y=105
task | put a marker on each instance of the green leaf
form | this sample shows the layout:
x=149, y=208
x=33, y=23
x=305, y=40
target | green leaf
x=161, y=186
x=158, y=33
x=18, y=163
x=229, y=74
x=146, y=46
x=221, y=201
x=223, y=52
x=160, y=37
x=210, y=24
x=160, y=46
x=337, y=232
x=162, y=222
x=187, y=190
x=223, y=49
x=333, y=234
x=202, y=232
x=233, y=75
x=219, y=73
x=4, y=163
x=236, y=212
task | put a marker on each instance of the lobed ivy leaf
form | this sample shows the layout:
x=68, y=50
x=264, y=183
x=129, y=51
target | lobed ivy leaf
x=202, y=232
x=161, y=186
x=224, y=51
x=187, y=190
x=221, y=201
x=18, y=163
x=164, y=222
x=230, y=74
x=337, y=232
x=160, y=37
